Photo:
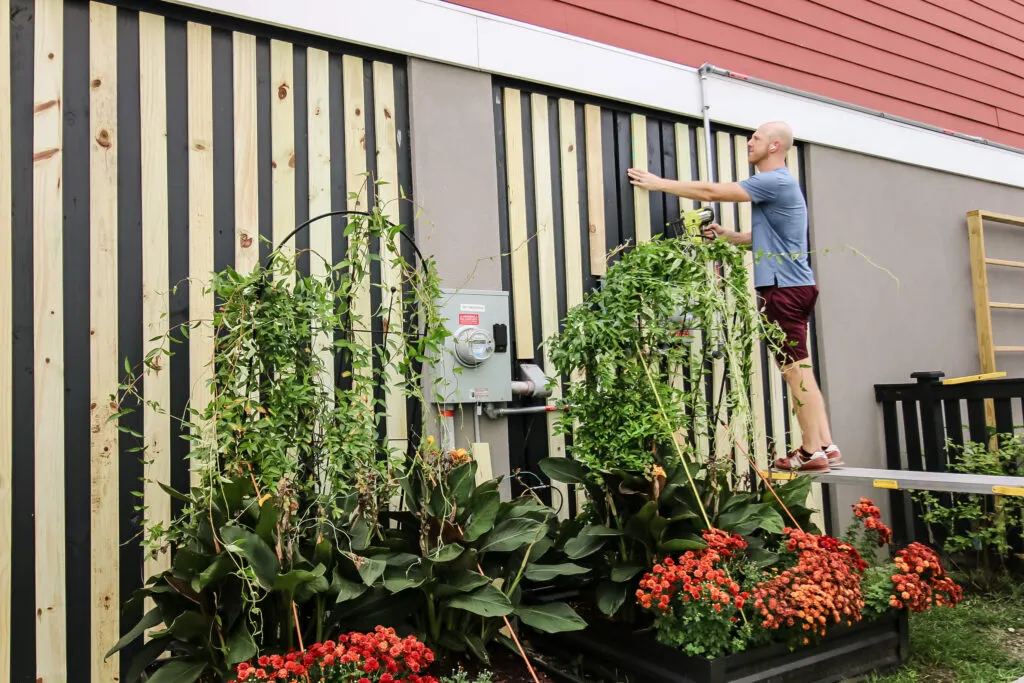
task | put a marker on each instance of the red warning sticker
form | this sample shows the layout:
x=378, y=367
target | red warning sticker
x=469, y=319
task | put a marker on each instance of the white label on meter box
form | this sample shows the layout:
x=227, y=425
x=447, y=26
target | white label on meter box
x=472, y=308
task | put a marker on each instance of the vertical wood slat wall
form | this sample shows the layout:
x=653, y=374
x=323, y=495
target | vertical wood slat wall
x=139, y=153
x=601, y=210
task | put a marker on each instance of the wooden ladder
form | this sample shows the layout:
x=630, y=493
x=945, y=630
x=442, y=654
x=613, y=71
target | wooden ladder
x=983, y=306
x=987, y=349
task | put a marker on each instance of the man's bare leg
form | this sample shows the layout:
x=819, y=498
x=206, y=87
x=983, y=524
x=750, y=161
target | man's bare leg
x=809, y=405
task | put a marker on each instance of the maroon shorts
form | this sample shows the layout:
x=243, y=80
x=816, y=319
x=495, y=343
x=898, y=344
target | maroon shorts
x=791, y=308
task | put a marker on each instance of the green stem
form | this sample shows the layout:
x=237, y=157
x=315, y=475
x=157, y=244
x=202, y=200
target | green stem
x=671, y=436
x=435, y=626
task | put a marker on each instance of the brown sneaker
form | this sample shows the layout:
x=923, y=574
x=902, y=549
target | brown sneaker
x=835, y=457
x=798, y=461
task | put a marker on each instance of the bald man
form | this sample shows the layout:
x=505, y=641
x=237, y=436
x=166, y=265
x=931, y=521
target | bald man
x=785, y=284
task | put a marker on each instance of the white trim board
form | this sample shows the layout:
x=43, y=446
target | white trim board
x=440, y=31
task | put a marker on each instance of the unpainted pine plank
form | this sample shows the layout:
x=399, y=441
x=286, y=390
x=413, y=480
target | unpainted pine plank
x=358, y=183
x=247, y=246
x=684, y=172
x=155, y=276
x=760, y=453
x=641, y=197
x=547, y=273
x=705, y=337
x=282, y=144
x=48, y=332
x=200, y=238
x=733, y=437
x=684, y=161
x=572, y=243
x=979, y=282
x=104, y=368
x=6, y=350
x=318, y=115
x=570, y=203
x=518, y=242
x=595, y=190
x=391, y=275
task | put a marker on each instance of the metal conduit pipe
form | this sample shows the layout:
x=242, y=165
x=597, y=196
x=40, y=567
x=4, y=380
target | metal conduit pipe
x=706, y=69
x=498, y=413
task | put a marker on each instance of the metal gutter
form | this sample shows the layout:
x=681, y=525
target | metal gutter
x=706, y=69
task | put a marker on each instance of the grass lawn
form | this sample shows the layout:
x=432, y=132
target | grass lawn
x=981, y=640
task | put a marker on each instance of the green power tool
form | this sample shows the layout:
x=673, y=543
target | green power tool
x=692, y=223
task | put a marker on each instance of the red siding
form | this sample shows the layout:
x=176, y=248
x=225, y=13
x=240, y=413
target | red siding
x=958, y=64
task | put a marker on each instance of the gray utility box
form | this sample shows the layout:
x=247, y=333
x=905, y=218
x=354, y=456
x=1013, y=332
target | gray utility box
x=475, y=365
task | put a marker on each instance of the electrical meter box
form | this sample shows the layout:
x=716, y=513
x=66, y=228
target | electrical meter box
x=475, y=365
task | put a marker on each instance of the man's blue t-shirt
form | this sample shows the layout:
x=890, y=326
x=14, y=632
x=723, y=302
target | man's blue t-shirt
x=779, y=238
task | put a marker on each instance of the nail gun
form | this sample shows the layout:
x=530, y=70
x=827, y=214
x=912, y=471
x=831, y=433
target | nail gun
x=692, y=223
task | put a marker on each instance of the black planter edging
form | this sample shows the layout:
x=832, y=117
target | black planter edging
x=618, y=655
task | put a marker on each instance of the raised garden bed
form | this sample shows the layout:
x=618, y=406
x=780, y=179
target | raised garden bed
x=617, y=654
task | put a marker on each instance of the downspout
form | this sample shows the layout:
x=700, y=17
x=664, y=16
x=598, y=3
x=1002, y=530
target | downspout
x=705, y=106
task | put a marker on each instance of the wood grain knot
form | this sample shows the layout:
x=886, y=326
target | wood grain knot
x=92, y=406
x=96, y=82
x=273, y=164
x=103, y=139
x=572, y=147
x=593, y=228
x=50, y=56
x=362, y=141
x=43, y=106
x=316, y=112
x=245, y=240
x=45, y=154
x=282, y=91
x=199, y=147
x=387, y=113
x=291, y=160
x=358, y=111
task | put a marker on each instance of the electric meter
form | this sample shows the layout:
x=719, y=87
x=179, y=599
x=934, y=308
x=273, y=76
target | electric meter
x=473, y=345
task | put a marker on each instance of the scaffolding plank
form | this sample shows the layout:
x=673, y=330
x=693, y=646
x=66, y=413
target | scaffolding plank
x=952, y=482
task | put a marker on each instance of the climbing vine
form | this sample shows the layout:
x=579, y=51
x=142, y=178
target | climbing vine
x=679, y=306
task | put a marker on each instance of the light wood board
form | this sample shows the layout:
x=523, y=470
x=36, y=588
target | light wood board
x=641, y=197
x=321, y=259
x=282, y=145
x=544, y=206
x=104, y=368
x=518, y=242
x=200, y=241
x=760, y=453
x=155, y=278
x=357, y=182
x=247, y=228
x=734, y=436
x=701, y=421
x=6, y=344
x=572, y=242
x=595, y=191
x=391, y=275
x=48, y=335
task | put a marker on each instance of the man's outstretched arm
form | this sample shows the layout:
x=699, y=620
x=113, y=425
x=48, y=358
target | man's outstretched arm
x=702, y=192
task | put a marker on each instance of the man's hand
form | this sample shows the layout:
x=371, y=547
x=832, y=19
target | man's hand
x=643, y=179
x=714, y=230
